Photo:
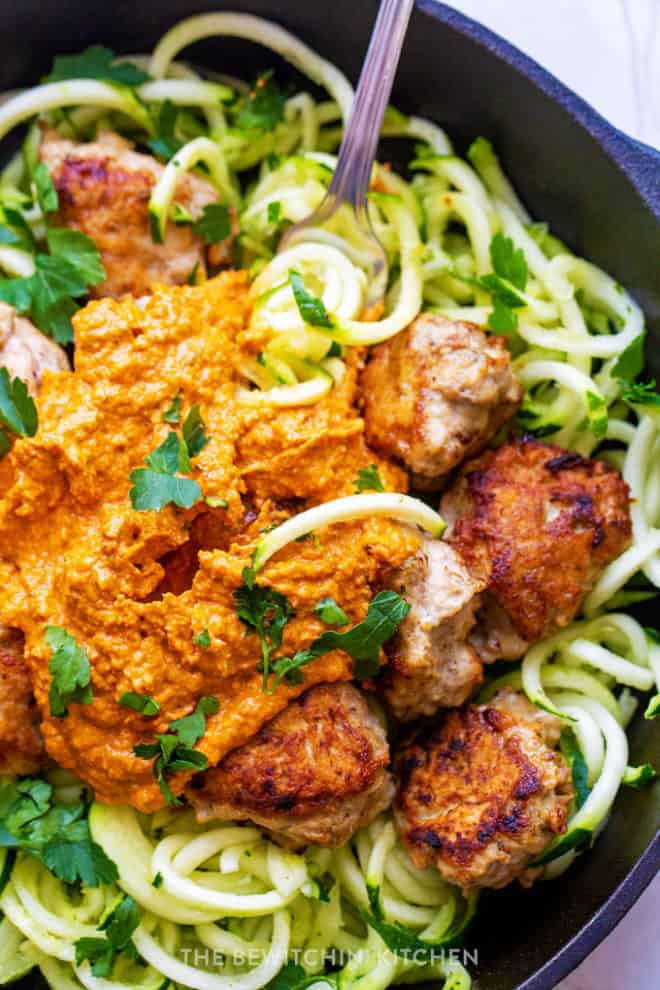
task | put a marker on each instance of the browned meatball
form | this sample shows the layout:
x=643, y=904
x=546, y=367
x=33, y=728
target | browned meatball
x=482, y=793
x=436, y=394
x=431, y=664
x=21, y=745
x=104, y=189
x=314, y=774
x=538, y=524
x=25, y=352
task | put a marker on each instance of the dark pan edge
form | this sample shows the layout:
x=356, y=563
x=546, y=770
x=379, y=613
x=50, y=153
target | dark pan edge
x=639, y=162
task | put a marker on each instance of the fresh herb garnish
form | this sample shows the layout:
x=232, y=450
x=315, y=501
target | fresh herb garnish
x=194, y=432
x=202, y=639
x=58, y=835
x=18, y=413
x=214, y=225
x=330, y=612
x=172, y=414
x=630, y=362
x=142, y=703
x=118, y=928
x=274, y=211
x=48, y=296
x=263, y=108
x=506, y=283
x=173, y=750
x=46, y=192
x=641, y=393
x=165, y=144
x=368, y=480
x=311, y=308
x=264, y=610
x=363, y=642
x=70, y=671
x=160, y=483
x=96, y=62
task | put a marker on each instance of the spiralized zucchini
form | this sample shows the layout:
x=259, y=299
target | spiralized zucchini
x=221, y=906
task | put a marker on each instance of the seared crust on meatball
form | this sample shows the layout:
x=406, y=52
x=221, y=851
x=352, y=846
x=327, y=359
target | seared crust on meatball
x=104, y=189
x=482, y=793
x=538, y=524
x=21, y=745
x=431, y=664
x=25, y=352
x=314, y=774
x=436, y=394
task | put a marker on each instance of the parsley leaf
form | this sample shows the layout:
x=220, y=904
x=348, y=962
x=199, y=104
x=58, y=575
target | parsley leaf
x=310, y=307
x=173, y=412
x=46, y=192
x=18, y=413
x=118, y=928
x=214, y=225
x=368, y=480
x=266, y=611
x=202, y=639
x=194, y=432
x=190, y=728
x=630, y=363
x=502, y=318
x=58, y=835
x=173, y=750
x=641, y=393
x=165, y=144
x=508, y=261
x=263, y=108
x=142, y=703
x=71, y=672
x=158, y=484
x=330, y=612
x=96, y=62
x=363, y=642
x=48, y=295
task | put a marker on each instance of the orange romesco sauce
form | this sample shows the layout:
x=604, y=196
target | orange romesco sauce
x=134, y=588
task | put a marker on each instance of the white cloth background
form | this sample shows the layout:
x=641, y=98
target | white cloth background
x=608, y=51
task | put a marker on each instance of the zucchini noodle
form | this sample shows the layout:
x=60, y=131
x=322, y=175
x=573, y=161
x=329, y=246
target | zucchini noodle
x=221, y=906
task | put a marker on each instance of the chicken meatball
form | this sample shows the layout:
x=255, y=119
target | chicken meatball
x=314, y=774
x=482, y=792
x=104, y=189
x=431, y=664
x=25, y=352
x=538, y=524
x=436, y=394
x=21, y=745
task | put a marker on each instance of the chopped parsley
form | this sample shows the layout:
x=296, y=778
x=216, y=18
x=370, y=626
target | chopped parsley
x=266, y=611
x=117, y=928
x=194, y=432
x=160, y=482
x=58, y=835
x=96, y=62
x=363, y=642
x=505, y=283
x=172, y=414
x=142, y=703
x=70, y=670
x=165, y=144
x=214, y=225
x=641, y=393
x=48, y=296
x=202, y=639
x=274, y=211
x=18, y=413
x=310, y=307
x=173, y=750
x=263, y=108
x=368, y=480
x=46, y=192
x=330, y=612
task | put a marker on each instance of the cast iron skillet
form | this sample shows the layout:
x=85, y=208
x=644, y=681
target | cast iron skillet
x=601, y=192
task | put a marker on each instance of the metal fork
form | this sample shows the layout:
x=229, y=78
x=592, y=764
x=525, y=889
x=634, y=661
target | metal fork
x=350, y=182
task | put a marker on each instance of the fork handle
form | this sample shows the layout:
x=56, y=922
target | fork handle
x=352, y=175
